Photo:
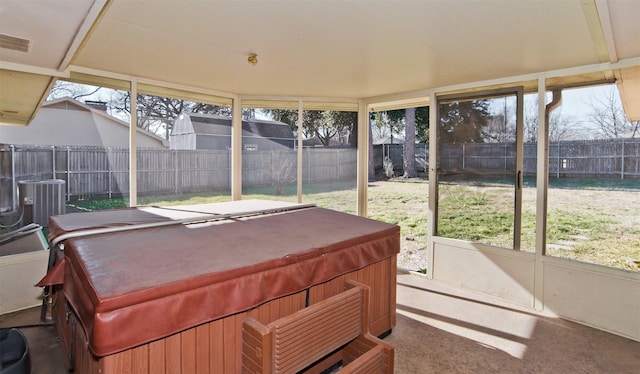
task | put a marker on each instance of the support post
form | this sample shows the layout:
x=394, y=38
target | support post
x=133, y=154
x=299, y=153
x=433, y=181
x=236, y=150
x=542, y=185
x=363, y=158
x=14, y=199
x=69, y=173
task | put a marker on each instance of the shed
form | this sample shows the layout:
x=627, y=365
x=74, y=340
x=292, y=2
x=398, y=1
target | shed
x=213, y=132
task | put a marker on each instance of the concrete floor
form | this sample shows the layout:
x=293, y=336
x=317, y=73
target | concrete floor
x=441, y=329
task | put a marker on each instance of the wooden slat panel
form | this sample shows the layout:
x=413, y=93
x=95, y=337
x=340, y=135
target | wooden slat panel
x=274, y=310
x=256, y=346
x=140, y=359
x=216, y=344
x=357, y=348
x=371, y=362
x=229, y=345
x=157, y=356
x=315, y=333
x=188, y=351
x=202, y=350
x=172, y=354
x=264, y=313
x=390, y=288
x=120, y=363
x=237, y=352
x=376, y=308
x=311, y=333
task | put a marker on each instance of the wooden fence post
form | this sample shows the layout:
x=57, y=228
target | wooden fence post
x=622, y=161
x=109, y=172
x=174, y=155
x=558, y=167
x=463, y=154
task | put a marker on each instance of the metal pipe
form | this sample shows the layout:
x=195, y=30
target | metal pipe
x=556, y=100
x=13, y=177
x=53, y=161
x=68, y=173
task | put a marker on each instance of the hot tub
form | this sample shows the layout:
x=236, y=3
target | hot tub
x=169, y=297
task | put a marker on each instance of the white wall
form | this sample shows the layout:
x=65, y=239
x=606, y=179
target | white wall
x=494, y=271
x=606, y=298
x=597, y=296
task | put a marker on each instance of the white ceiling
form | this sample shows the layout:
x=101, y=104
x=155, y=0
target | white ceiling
x=311, y=48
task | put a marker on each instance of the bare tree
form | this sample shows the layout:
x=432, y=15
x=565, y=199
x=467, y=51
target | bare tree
x=607, y=118
x=157, y=114
x=561, y=126
x=73, y=90
x=501, y=127
x=499, y=130
x=379, y=128
x=283, y=169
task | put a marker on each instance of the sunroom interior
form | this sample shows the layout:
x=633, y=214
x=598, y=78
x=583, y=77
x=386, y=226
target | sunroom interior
x=365, y=57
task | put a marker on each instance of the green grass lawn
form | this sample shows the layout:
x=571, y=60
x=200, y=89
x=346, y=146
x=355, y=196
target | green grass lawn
x=588, y=220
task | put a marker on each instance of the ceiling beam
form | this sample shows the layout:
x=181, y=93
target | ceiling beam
x=595, y=28
x=607, y=30
x=95, y=12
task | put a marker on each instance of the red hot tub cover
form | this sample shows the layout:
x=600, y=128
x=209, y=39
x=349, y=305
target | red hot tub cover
x=133, y=287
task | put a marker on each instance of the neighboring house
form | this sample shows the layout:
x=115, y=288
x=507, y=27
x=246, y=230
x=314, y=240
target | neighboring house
x=207, y=131
x=65, y=121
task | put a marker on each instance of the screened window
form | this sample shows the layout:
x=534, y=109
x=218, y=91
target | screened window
x=480, y=173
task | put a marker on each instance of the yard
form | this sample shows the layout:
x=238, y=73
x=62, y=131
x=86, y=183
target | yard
x=595, y=221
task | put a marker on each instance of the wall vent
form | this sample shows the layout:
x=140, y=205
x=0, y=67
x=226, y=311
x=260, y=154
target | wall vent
x=12, y=42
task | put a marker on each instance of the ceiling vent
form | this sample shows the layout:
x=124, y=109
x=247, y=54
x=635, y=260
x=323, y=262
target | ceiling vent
x=11, y=42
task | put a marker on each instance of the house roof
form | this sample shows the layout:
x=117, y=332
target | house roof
x=209, y=124
x=66, y=121
x=377, y=51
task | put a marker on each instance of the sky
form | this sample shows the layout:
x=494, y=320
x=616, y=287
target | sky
x=576, y=101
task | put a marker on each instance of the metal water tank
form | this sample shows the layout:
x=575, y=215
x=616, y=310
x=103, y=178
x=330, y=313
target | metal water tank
x=41, y=199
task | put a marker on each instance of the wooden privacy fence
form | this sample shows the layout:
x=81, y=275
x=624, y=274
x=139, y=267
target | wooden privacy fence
x=579, y=158
x=90, y=171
